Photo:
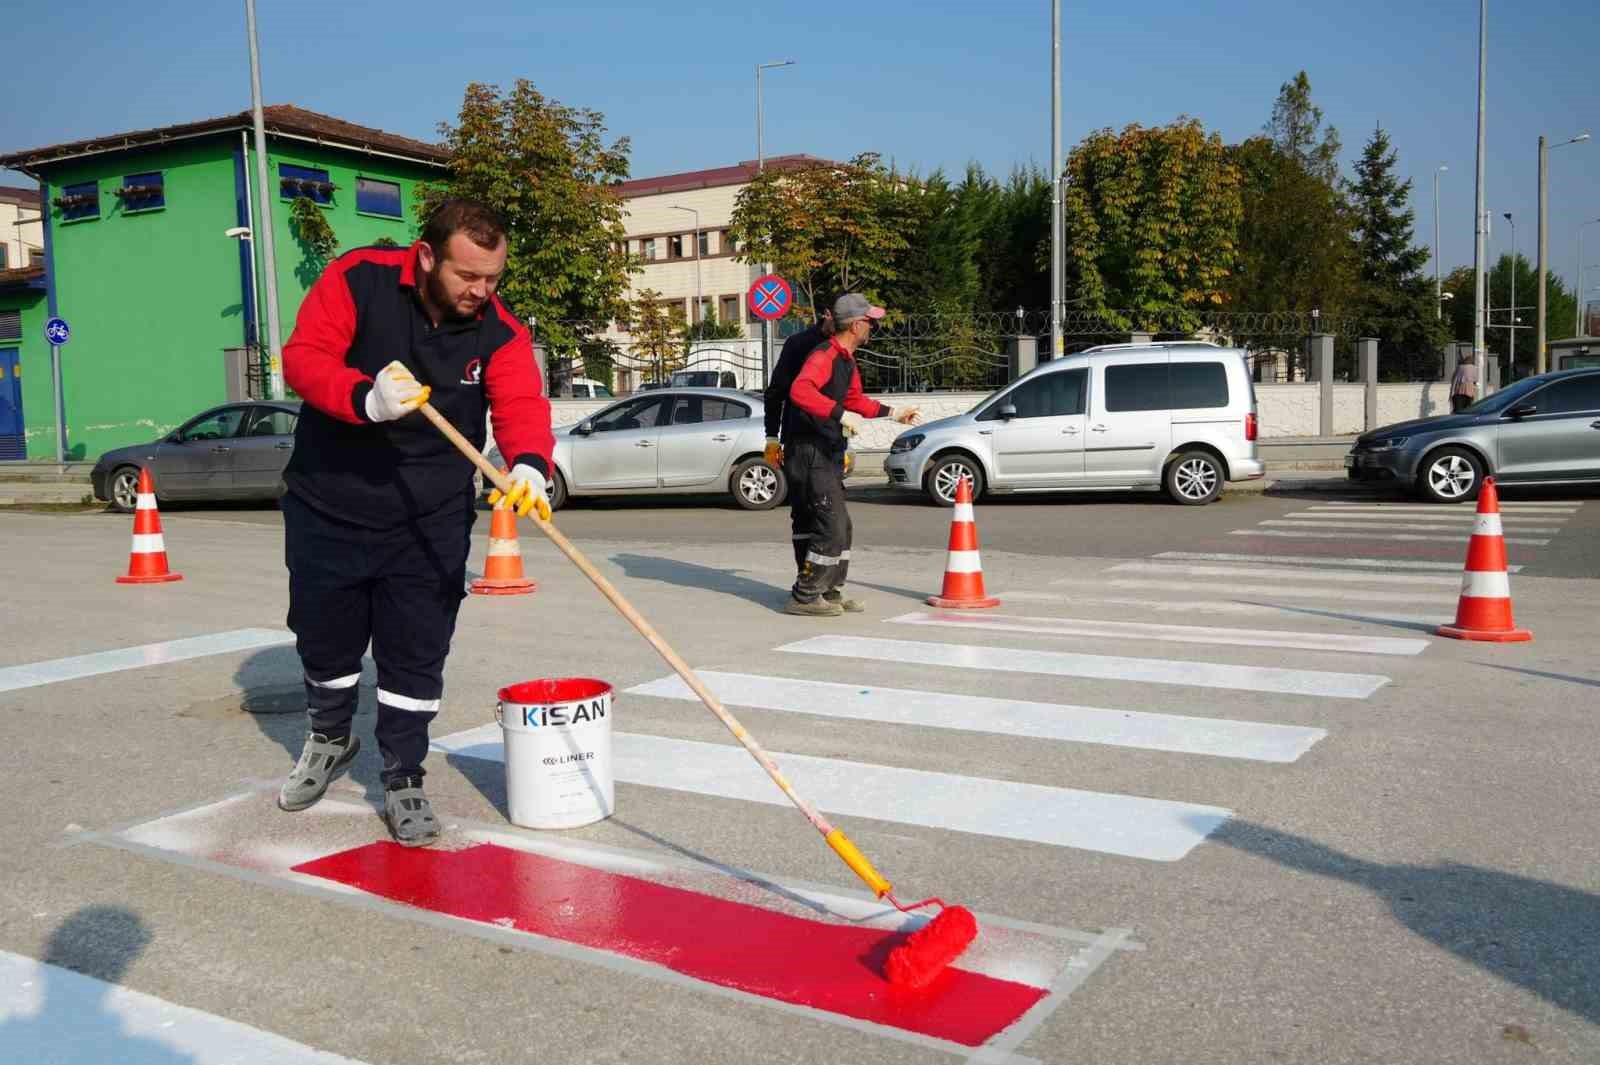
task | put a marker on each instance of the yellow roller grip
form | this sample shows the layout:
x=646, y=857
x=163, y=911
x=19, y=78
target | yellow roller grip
x=858, y=863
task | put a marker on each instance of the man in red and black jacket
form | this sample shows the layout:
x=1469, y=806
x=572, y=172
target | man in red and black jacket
x=828, y=385
x=379, y=509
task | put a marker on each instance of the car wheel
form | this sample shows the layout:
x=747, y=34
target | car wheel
x=1194, y=478
x=1450, y=475
x=123, y=488
x=757, y=486
x=557, y=491
x=940, y=482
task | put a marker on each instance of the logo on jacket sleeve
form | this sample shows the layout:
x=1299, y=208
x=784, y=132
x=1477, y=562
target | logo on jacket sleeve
x=473, y=374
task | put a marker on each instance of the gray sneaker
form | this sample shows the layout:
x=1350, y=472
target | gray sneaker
x=408, y=814
x=320, y=761
x=848, y=605
x=819, y=608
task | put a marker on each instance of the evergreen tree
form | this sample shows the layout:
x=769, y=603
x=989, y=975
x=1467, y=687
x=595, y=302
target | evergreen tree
x=1296, y=129
x=1393, y=298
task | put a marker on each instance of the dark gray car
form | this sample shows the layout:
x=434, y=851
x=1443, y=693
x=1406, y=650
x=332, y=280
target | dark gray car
x=1543, y=430
x=237, y=451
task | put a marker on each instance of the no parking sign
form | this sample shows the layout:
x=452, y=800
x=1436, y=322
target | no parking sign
x=770, y=297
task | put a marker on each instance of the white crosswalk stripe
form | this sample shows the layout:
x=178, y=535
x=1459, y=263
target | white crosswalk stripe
x=1300, y=573
x=1396, y=526
x=1288, y=562
x=1135, y=630
x=1409, y=537
x=1362, y=595
x=1464, y=517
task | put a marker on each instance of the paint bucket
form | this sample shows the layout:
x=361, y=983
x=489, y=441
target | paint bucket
x=558, y=751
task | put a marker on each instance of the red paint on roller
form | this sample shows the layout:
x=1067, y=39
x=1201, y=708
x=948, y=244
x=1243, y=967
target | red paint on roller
x=832, y=967
x=929, y=950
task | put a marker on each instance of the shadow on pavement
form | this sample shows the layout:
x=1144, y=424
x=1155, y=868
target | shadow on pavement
x=75, y=1021
x=1588, y=682
x=1393, y=623
x=1534, y=934
x=709, y=578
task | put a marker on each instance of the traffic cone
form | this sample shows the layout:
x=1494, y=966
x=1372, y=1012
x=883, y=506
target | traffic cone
x=963, y=569
x=1484, y=609
x=147, y=563
x=502, y=572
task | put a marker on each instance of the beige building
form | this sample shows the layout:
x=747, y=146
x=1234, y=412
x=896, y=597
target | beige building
x=21, y=235
x=677, y=225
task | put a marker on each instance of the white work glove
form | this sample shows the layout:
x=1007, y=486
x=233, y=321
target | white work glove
x=395, y=393
x=905, y=415
x=851, y=422
x=528, y=492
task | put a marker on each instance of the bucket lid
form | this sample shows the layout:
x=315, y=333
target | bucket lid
x=553, y=691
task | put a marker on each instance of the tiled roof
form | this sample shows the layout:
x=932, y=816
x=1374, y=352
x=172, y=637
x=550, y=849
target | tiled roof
x=717, y=177
x=278, y=118
x=18, y=196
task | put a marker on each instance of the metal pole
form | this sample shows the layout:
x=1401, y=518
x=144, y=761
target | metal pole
x=61, y=405
x=1511, y=323
x=268, y=253
x=1056, y=249
x=1438, y=290
x=1539, y=356
x=1482, y=214
x=761, y=164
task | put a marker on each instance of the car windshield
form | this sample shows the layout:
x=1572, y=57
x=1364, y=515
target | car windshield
x=1502, y=399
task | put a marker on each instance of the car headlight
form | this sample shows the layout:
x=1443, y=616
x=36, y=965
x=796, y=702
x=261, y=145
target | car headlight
x=907, y=442
x=1388, y=443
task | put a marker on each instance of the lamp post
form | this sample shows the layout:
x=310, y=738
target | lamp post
x=1540, y=356
x=1057, y=248
x=1577, y=293
x=761, y=163
x=1438, y=311
x=699, y=296
x=268, y=253
x=1481, y=214
x=1511, y=321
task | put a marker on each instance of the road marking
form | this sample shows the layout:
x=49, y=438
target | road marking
x=1141, y=630
x=1100, y=667
x=1395, y=526
x=1505, y=507
x=1157, y=830
x=56, y=670
x=1361, y=595
x=1288, y=562
x=52, y=1014
x=1189, y=607
x=1340, y=536
x=1220, y=737
x=1303, y=573
x=1352, y=514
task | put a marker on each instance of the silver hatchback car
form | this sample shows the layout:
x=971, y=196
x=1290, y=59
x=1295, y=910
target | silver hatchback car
x=1178, y=416
x=1541, y=430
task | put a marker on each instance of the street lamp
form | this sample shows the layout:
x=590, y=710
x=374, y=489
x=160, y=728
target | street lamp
x=1480, y=212
x=1577, y=295
x=1511, y=322
x=1437, y=311
x=1540, y=357
x=268, y=252
x=699, y=298
x=1057, y=243
x=761, y=163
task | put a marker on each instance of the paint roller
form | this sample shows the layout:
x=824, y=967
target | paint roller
x=924, y=954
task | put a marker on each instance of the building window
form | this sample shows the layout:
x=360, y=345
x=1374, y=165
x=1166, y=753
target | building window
x=675, y=246
x=730, y=310
x=677, y=310
x=142, y=192
x=705, y=243
x=35, y=257
x=297, y=181
x=4, y=263
x=724, y=242
x=647, y=250
x=378, y=197
x=10, y=323
x=79, y=201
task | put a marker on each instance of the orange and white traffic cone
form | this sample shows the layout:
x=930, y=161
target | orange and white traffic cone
x=147, y=562
x=963, y=569
x=502, y=572
x=1484, y=609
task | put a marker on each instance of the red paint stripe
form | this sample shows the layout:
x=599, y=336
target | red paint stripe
x=837, y=968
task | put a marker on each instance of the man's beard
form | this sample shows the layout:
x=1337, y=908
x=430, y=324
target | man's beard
x=439, y=297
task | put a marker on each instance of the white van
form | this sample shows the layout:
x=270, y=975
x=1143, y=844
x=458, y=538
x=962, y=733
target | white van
x=1179, y=417
x=588, y=388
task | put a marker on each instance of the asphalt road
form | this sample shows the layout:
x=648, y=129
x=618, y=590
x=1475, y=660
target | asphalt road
x=1217, y=794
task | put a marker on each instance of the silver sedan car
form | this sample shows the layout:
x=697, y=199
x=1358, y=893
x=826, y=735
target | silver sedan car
x=671, y=441
x=1543, y=430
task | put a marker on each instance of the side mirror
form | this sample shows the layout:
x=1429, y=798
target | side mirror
x=583, y=428
x=1522, y=410
x=1008, y=412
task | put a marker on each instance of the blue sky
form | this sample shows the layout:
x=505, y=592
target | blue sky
x=929, y=84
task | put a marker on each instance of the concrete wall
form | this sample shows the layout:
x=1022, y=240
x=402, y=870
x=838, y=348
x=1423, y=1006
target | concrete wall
x=1349, y=409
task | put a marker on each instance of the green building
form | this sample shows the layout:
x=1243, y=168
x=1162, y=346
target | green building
x=163, y=302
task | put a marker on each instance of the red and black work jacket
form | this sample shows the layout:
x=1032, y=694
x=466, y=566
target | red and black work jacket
x=362, y=314
x=826, y=386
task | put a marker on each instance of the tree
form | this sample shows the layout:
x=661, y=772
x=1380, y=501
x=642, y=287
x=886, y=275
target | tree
x=318, y=242
x=547, y=169
x=1559, y=309
x=710, y=328
x=657, y=335
x=1151, y=218
x=822, y=227
x=1013, y=254
x=1295, y=127
x=1393, y=299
